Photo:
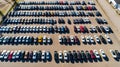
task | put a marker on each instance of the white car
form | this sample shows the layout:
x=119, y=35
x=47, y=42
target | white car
x=41, y=28
x=72, y=39
x=6, y=55
x=97, y=39
x=43, y=55
x=44, y=39
x=65, y=53
x=108, y=39
x=113, y=54
x=14, y=54
x=60, y=55
x=44, y=28
x=47, y=55
x=96, y=54
x=78, y=29
x=87, y=39
x=34, y=57
x=102, y=53
x=92, y=40
x=2, y=54
x=83, y=39
x=48, y=40
x=60, y=38
x=18, y=54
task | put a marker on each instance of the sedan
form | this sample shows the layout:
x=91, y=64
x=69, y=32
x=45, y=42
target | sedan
x=114, y=55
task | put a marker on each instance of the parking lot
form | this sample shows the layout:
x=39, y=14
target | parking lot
x=65, y=29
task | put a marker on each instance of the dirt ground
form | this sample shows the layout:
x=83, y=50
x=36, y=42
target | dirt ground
x=57, y=47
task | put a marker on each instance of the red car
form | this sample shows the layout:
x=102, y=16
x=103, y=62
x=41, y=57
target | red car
x=68, y=39
x=10, y=55
x=76, y=39
x=89, y=7
x=92, y=54
x=82, y=28
x=61, y=2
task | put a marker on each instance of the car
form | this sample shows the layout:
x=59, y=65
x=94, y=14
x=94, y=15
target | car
x=96, y=54
x=114, y=55
x=60, y=39
x=72, y=39
x=34, y=57
x=108, y=39
x=68, y=39
x=60, y=55
x=117, y=53
x=102, y=53
x=17, y=56
x=88, y=56
x=76, y=39
x=75, y=58
x=56, y=55
x=14, y=54
x=44, y=39
x=65, y=54
x=98, y=29
x=43, y=55
x=75, y=29
x=10, y=55
x=6, y=55
x=48, y=56
x=40, y=39
x=83, y=55
x=82, y=29
x=87, y=39
x=83, y=39
x=102, y=39
x=92, y=54
x=49, y=40
x=92, y=40
x=79, y=56
x=2, y=54
x=97, y=39
x=30, y=55
x=26, y=56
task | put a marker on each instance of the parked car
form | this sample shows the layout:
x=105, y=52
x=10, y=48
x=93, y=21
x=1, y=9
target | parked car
x=114, y=55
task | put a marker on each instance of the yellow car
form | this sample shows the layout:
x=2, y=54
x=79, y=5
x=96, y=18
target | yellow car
x=40, y=39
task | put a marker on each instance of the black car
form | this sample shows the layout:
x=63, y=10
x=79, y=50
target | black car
x=79, y=56
x=98, y=29
x=56, y=55
x=83, y=55
x=75, y=55
x=88, y=56
x=102, y=39
x=117, y=53
x=85, y=29
x=70, y=56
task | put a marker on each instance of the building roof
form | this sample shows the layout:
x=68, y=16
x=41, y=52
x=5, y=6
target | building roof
x=117, y=1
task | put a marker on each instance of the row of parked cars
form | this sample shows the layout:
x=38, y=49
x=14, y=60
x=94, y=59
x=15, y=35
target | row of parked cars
x=92, y=29
x=68, y=39
x=19, y=55
x=34, y=29
x=30, y=21
x=65, y=55
x=25, y=40
x=35, y=7
x=85, y=39
x=79, y=55
x=57, y=3
x=55, y=13
x=99, y=39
